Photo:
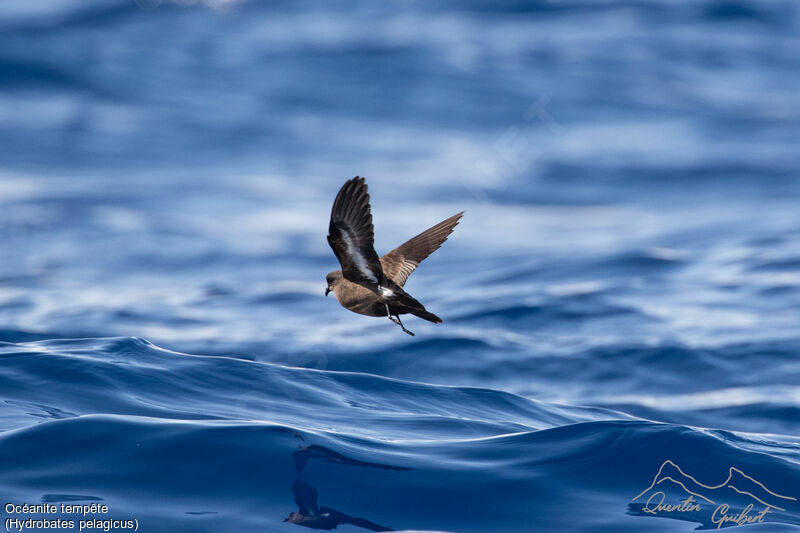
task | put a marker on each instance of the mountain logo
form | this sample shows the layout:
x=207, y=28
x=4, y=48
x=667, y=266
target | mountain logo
x=740, y=499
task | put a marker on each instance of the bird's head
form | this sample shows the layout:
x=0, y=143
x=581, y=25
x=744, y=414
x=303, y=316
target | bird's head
x=333, y=279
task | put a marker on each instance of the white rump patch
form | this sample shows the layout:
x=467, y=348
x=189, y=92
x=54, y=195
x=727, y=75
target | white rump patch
x=385, y=292
x=358, y=259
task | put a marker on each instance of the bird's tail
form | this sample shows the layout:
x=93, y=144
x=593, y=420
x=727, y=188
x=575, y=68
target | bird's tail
x=427, y=315
x=409, y=304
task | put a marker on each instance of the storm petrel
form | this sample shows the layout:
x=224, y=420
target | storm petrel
x=366, y=284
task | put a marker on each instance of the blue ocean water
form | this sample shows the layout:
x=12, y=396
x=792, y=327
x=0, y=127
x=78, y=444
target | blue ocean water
x=621, y=301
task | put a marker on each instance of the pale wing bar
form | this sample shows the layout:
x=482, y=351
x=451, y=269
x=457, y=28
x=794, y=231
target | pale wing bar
x=401, y=262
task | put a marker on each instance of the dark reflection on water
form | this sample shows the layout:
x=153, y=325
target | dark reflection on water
x=309, y=513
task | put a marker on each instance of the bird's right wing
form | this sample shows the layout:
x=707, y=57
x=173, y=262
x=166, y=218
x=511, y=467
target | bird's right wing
x=401, y=262
x=352, y=237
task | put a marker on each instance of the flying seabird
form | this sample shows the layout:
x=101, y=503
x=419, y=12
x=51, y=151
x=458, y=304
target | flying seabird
x=366, y=284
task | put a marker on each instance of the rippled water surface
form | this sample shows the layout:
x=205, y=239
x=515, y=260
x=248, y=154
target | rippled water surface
x=621, y=301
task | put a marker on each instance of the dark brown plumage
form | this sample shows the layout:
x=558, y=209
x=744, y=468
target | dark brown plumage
x=366, y=284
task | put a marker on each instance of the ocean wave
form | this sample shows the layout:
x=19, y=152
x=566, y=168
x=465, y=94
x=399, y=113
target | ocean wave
x=170, y=437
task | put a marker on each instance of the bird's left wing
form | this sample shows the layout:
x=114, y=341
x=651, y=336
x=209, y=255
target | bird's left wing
x=352, y=237
x=401, y=262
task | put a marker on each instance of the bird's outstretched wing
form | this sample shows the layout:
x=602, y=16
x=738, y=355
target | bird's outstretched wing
x=401, y=262
x=351, y=236
x=305, y=496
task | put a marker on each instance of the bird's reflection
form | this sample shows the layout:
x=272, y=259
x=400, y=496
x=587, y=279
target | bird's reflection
x=309, y=513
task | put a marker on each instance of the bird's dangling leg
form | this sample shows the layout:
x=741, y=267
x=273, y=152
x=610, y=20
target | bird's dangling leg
x=399, y=323
x=396, y=320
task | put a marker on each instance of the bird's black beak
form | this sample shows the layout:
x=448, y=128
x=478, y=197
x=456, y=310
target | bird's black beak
x=327, y=290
